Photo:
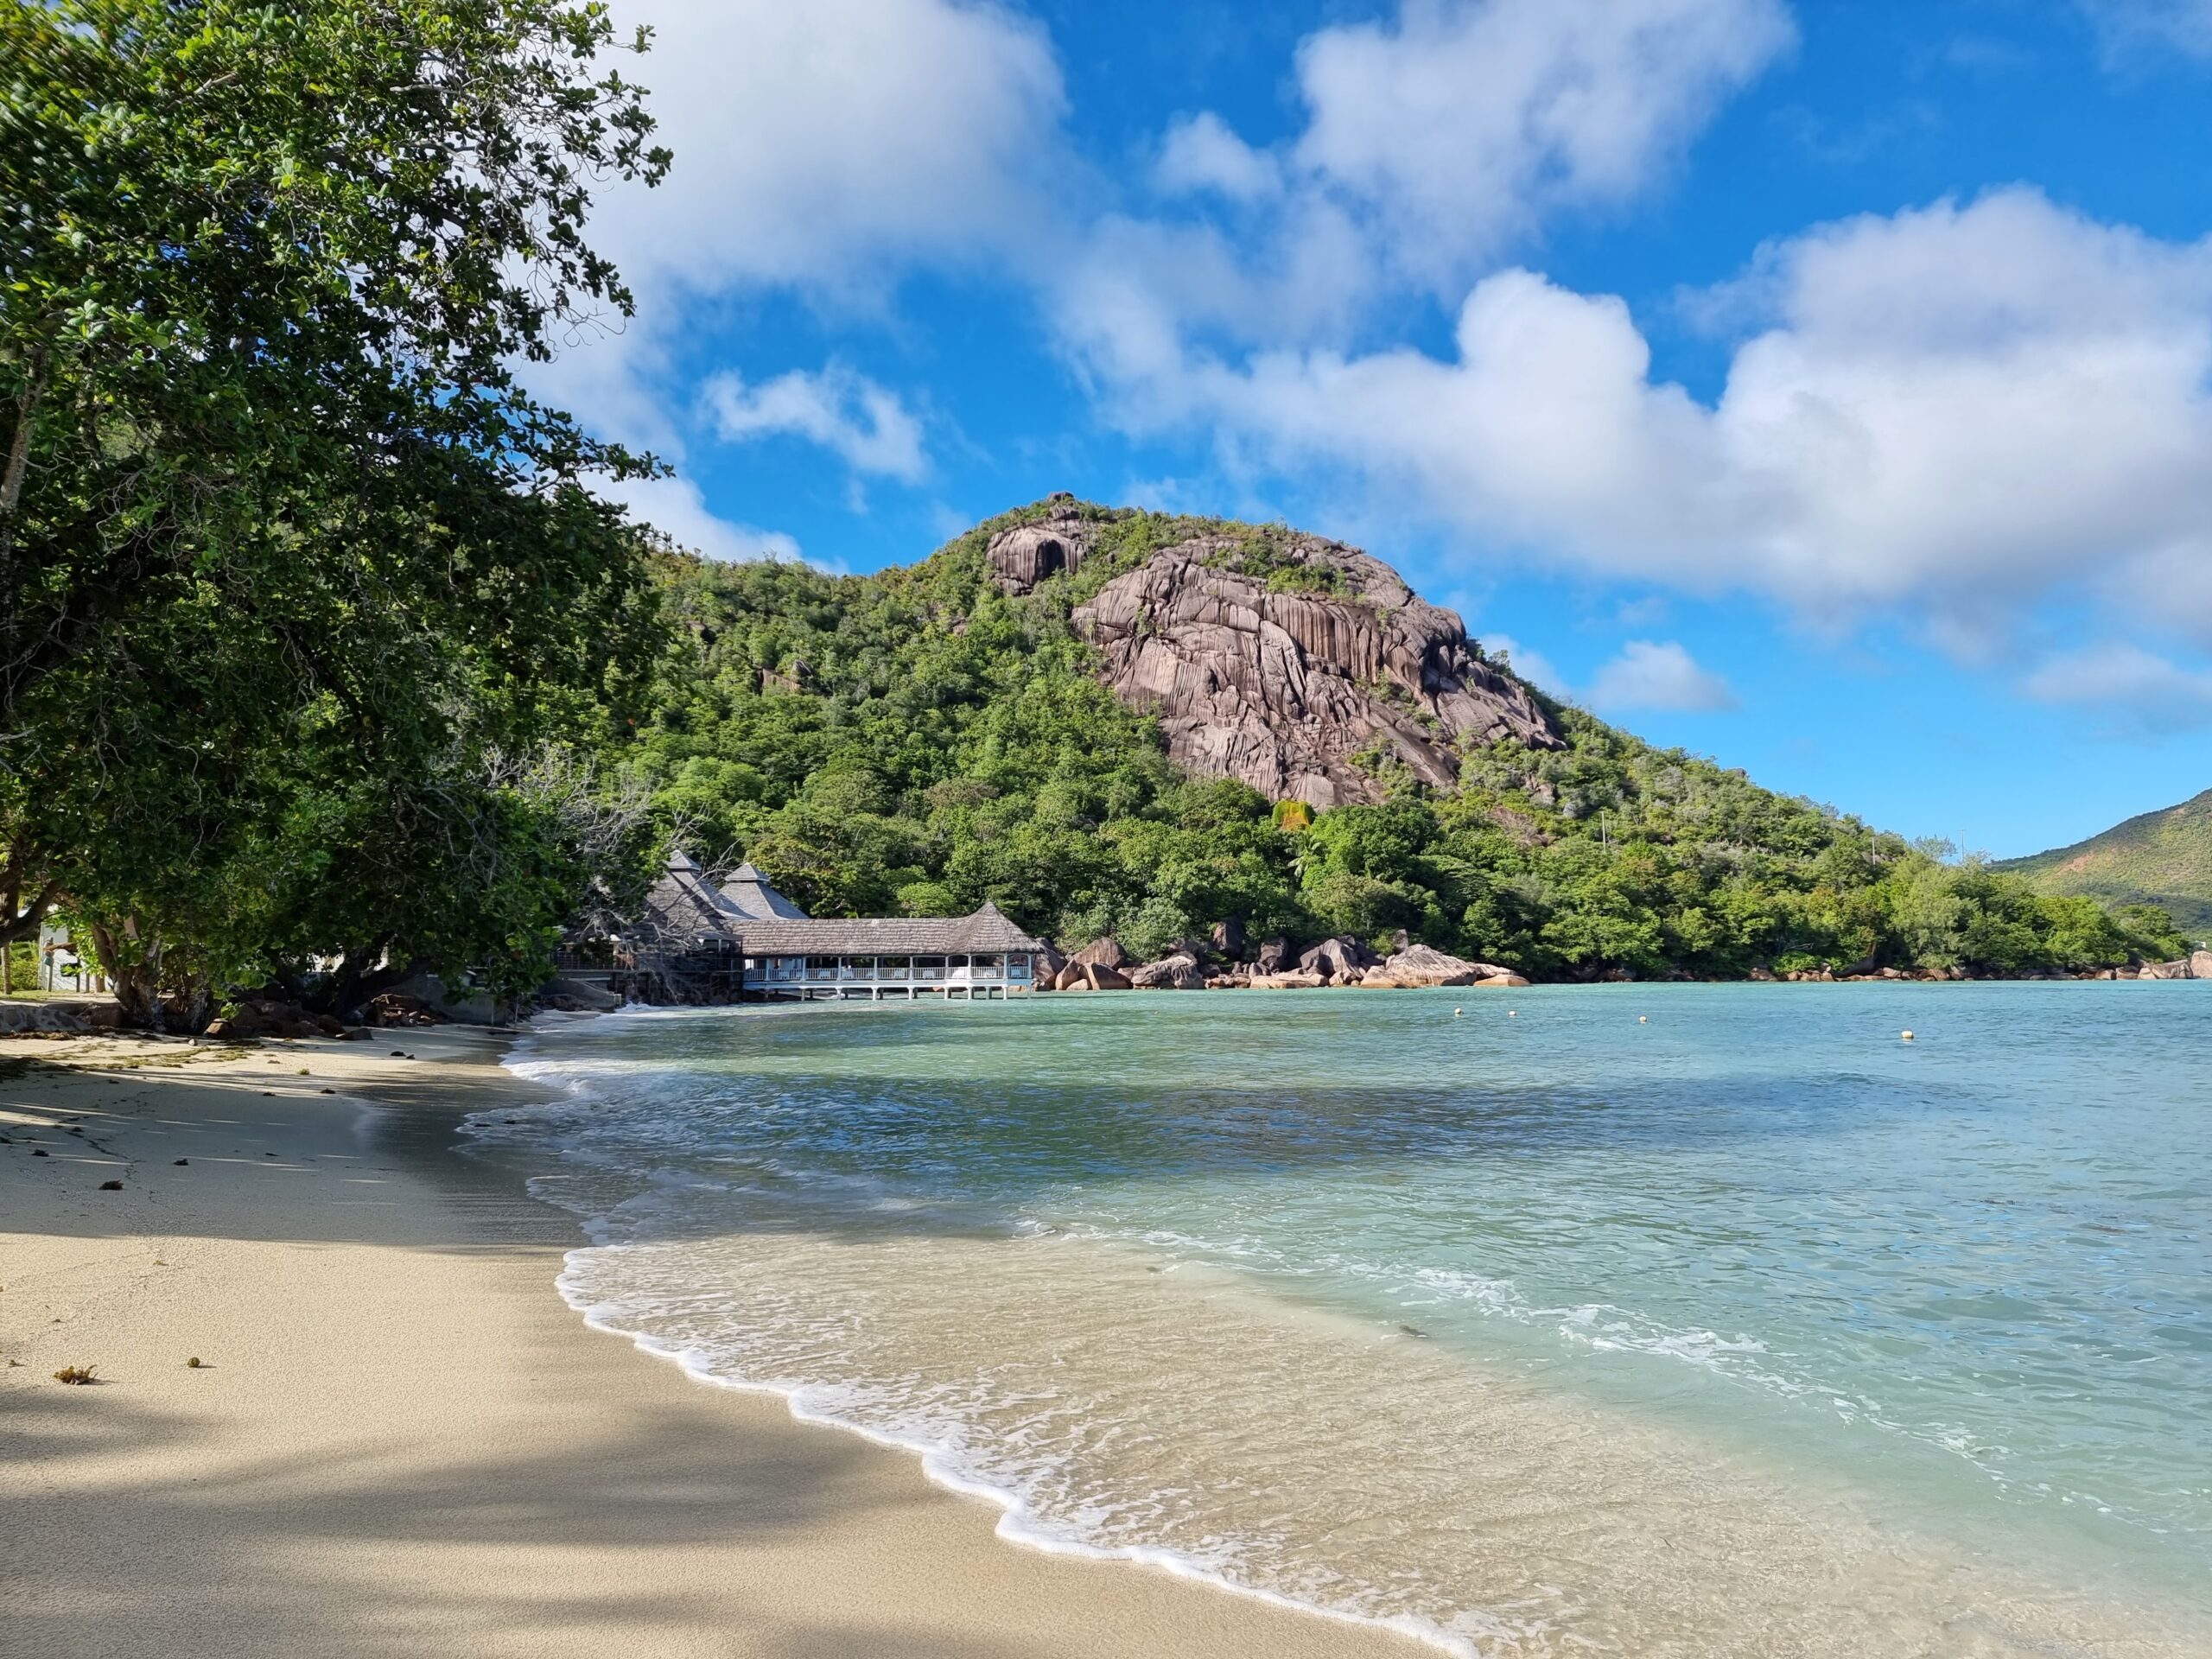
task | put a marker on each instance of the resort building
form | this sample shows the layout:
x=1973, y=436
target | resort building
x=745, y=940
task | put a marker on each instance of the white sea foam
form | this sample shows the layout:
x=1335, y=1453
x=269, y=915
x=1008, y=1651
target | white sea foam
x=1032, y=1354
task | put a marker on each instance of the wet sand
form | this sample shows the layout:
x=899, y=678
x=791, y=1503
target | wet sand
x=401, y=1441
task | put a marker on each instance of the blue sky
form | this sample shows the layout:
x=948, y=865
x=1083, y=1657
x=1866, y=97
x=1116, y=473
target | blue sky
x=1826, y=388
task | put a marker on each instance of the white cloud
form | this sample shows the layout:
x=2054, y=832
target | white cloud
x=1431, y=140
x=1957, y=409
x=1200, y=153
x=1455, y=124
x=814, y=142
x=1529, y=664
x=675, y=507
x=2129, y=26
x=2149, y=690
x=827, y=147
x=1653, y=675
x=848, y=414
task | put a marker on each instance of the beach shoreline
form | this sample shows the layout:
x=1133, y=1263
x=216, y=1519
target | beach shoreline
x=400, y=1440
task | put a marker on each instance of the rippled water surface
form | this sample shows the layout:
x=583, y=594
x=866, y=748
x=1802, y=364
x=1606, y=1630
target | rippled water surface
x=1696, y=1320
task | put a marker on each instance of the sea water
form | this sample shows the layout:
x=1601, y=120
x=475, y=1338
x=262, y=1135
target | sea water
x=1696, y=1320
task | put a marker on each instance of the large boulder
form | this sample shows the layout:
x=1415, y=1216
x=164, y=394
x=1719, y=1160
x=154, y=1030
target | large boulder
x=1106, y=952
x=577, y=996
x=1279, y=658
x=1340, y=961
x=1293, y=980
x=1090, y=976
x=1180, y=972
x=1228, y=940
x=2200, y=964
x=2165, y=970
x=1273, y=955
x=1420, y=966
x=1054, y=545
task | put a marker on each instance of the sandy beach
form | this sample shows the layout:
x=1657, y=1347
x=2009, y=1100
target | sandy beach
x=400, y=1441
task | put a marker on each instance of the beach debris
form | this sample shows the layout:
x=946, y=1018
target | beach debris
x=269, y=1094
x=398, y=1009
x=75, y=1376
x=303, y=1071
x=38, y=1152
x=266, y=1017
x=398, y=1053
x=110, y=1187
x=1415, y=1331
x=330, y=1091
x=181, y=1162
x=191, y=1365
x=268, y=1154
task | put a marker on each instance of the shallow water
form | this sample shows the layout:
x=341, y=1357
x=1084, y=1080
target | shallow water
x=1749, y=1330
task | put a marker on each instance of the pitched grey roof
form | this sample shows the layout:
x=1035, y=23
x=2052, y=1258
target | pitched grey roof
x=986, y=932
x=682, y=906
x=748, y=893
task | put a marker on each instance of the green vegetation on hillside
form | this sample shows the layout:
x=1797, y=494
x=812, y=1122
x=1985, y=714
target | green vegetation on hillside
x=918, y=741
x=2163, y=858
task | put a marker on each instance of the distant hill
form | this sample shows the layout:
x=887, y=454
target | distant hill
x=2162, y=858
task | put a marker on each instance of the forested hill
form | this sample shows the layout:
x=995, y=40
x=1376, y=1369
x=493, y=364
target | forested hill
x=922, y=739
x=2163, y=858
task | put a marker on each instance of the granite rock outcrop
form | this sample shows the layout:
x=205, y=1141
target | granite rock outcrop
x=1281, y=658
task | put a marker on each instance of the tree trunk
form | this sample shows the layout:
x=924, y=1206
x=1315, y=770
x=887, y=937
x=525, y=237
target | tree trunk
x=135, y=974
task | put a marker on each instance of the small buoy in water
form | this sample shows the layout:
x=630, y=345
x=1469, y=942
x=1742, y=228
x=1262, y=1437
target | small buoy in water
x=1456, y=1013
x=1642, y=1019
x=1905, y=1035
x=1513, y=1013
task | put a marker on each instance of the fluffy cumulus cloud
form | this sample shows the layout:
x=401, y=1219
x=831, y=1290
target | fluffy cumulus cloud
x=1432, y=140
x=864, y=423
x=1659, y=676
x=823, y=142
x=1957, y=409
x=825, y=147
x=1453, y=125
x=675, y=507
x=1200, y=154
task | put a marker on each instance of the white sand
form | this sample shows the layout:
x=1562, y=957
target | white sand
x=403, y=1442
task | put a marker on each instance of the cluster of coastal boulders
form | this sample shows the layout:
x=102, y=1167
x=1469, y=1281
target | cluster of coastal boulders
x=1221, y=965
x=2196, y=965
x=1223, y=962
x=1279, y=660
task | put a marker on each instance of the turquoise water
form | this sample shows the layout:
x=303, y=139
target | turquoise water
x=1695, y=1319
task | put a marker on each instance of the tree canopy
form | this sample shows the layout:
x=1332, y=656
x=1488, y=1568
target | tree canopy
x=287, y=558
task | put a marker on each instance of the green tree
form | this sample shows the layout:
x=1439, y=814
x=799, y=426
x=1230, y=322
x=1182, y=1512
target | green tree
x=281, y=541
